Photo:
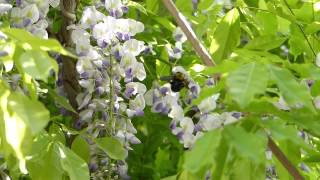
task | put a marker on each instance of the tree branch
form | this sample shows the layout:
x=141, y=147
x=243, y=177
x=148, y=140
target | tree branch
x=69, y=74
x=207, y=60
x=186, y=28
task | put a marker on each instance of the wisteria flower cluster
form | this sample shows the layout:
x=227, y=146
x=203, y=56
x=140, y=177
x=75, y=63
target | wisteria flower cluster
x=30, y=15
x=108, y=62
x=167, y=100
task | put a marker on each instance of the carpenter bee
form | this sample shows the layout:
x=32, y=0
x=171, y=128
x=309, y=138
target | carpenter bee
x=178, y=81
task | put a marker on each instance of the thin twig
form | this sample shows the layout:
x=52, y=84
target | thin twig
x=186, y=28
x=301, y=29
x=207, y=60
x=284, y=160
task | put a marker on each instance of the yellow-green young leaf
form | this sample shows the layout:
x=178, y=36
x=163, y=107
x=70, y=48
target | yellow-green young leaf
x=33, y=113
x=44, y=164
x=267, y=22
x=112, y=147
x=294, y=93
x=185, y=175
x=246, y=169
x=247, y=81
x=57, y=134
x=23, y=119
x=265, y=42
x=202, y=154
x=170, y=178
x=72, y=164
x=226, y=36
x=81, y=147
x=138, y=6
x=37, y=64
x=248, y=145
x=29, y=41
x=7, y=60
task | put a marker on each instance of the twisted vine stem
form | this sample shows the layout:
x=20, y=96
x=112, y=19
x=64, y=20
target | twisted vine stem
x=69, y=74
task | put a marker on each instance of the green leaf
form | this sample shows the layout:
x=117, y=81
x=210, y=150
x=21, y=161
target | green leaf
x=33, y=113
x=76, y=168
x=57, y=134
x=81, y=147
x=226, y=36
x=27, y=40
x=225, y=66
x=8, y=59
x=265, y=42
x=221, y=156
x=267, y=22
x=62, y=101
x=37, y=64
x=112, y=147
x=209, y=91
x=46, y=163
x=247, y=81
x=202, y=154
x=294, y=93
x=137, y=6
x=174, y=177
x=185, y=175
x=280, y=131
x=244, y=142
x=245, y=169
x=152, y=6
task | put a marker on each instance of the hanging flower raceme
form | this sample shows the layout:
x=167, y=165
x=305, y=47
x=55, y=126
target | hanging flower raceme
x=109, y=74
x=31, y=15
x=168, y=100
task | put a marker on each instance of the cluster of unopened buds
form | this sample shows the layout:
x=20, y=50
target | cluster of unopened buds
x=29, y=14
x=168, y=100
x=109, y=74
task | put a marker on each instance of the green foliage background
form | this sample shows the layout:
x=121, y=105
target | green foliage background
x=264, y=50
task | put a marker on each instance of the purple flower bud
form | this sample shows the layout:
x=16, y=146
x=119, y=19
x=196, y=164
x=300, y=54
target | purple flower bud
x=180, y=135
x=236, y=115
x=98, y=81
x=173, y=125
x=164, y=90
x=178, y=37
x=147, y=50
x=63, y=111
x=139, y=112
x=176, y=50
x=117, y=55
x=99, y=91
x=158, y=107
x=18, y=2
x=78, y=125
x=197, y=128
x=128, y=92
x=84, y=75
x=93, y=167
x=125, y=9
x=102, y=44
x=210, y=82
x=3, y=53
x=105, y=63
x=112, y=12
x=26, y=22
x=165, y=110
x=105, y=116
x=126, y=37
x=310, y=82
x=120, y=35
